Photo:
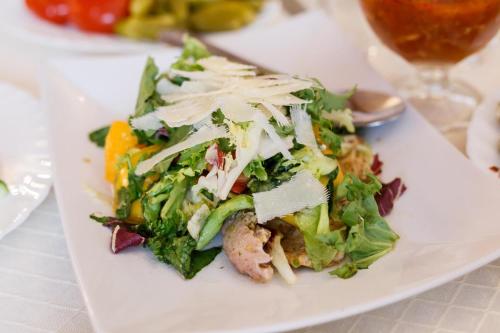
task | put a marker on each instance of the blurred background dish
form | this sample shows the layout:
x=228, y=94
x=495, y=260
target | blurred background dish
x=24, y=158
x=145, y=19
x=72, y=24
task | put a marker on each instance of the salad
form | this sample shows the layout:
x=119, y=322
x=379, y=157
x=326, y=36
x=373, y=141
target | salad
x=266, y=168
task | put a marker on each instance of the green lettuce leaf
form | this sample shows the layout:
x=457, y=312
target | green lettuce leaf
x=321, y=100
x=345, y=271
x=278, y=170
x=194, y=158
x=148, y=99
x=175, y=251
x=282, y=130
x=200, y=259
x=319, y=252
x=369, y=236
x=369, y=241
x=256, y=169
x=127, y=195
x=315, y=161
x=331, y=140
x=331, y=102
x=193, y=50
x=99, y=136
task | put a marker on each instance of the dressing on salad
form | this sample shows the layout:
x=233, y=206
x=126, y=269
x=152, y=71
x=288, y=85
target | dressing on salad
x=270, y=162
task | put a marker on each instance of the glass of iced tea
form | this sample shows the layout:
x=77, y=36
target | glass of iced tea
x=434, y=35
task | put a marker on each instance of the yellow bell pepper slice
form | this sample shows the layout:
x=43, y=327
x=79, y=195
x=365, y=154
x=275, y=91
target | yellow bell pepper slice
x=121, y=178
x=138, y=155
x=289, y=218
x=340, y=177
x=118, y=141
x=149, y=181
x=136, y=215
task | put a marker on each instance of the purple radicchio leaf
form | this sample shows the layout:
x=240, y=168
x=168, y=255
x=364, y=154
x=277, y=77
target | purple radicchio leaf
x=123, y=238
x=388, y=194
x=162, y=134
x=377, y=165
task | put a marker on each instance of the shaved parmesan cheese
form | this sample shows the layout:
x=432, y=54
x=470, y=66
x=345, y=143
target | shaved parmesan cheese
x=176, y=115
x=222, y=65
x=194, y=87
x=197, y=221
x=277, y=114
x=285, y=99
x=203, y=135
x=180, y=96
x=234, y=88
x=207, y=121
x=147, y=122
x=164, y=86
x=208, y=182
x=289, y=197
x=247, y=146
x=212, y=156
x=194, y=75
x=268, y=148
x=280, y=144
x=186, y=112
x=303, y=126
x=273, y=90
x=279, y=260
x=235, y=108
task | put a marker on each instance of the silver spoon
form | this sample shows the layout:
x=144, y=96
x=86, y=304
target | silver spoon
x=375, y=108
x=369, y=108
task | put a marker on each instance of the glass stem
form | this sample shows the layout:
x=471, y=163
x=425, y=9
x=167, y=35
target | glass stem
x=435, y=78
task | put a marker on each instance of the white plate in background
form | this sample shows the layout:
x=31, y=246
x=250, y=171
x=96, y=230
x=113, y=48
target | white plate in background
x=18, y=20
x=483, y=135
x=24, y=156
x=447, y=227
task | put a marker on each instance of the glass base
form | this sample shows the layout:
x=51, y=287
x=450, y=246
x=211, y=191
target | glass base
x=447, y=104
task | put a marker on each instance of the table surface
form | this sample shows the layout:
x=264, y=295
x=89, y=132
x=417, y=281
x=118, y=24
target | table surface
x=38, y=290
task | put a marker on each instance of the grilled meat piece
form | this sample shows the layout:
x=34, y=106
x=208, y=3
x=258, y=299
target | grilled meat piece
x=243, y=242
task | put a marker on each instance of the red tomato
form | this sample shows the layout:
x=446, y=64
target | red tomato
x=55, y=11
x=240, y=185
x=97, y=15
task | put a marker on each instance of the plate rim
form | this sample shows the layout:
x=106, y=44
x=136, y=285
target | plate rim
x=22, y=216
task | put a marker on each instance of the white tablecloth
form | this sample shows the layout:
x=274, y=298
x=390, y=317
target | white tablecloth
x=38, y=291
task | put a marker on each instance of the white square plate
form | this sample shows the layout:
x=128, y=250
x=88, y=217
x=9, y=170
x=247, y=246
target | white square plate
x=448, y=219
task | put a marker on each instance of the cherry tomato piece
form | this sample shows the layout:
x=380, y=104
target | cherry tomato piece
x=97, y=15
x=55, y=11
x=240, y=185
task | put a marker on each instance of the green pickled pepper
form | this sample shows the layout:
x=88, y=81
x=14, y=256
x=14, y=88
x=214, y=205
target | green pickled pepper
x=222, y=15
x=148, y=18
x=145, y=27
